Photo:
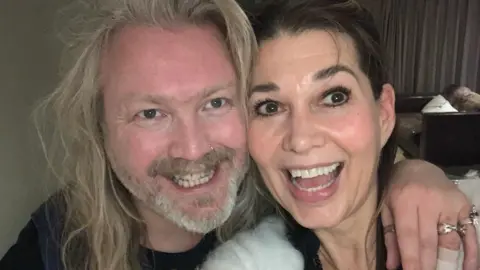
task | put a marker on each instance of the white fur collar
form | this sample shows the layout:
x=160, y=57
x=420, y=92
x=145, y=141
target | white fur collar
x=263, y=248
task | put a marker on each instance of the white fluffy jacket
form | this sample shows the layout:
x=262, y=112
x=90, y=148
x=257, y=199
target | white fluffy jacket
x=264, y=248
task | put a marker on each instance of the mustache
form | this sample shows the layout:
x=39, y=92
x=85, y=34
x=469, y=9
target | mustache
x=170, y=167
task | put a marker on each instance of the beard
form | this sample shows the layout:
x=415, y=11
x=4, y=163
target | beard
x=188, y=212
x=202, y=224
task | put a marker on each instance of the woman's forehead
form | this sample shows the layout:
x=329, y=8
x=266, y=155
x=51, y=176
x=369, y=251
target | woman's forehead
x=304, y=53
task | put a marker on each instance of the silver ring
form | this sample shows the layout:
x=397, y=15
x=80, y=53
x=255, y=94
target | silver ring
x=474, y=216
x=462, y=229
x=389, y=229
x=445, y=228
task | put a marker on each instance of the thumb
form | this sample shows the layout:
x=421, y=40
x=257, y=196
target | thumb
x=393, y=255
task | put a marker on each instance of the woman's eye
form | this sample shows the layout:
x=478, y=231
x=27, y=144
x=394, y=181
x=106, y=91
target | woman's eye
x=150, y=114
x=216, y=103
x=336, y=97
x=266, y=108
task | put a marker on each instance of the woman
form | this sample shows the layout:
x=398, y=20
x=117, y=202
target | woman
x=321, y=131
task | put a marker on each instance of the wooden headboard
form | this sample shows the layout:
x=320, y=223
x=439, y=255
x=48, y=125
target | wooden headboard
x=411, y=104
x=445, y=139
x=451, y=139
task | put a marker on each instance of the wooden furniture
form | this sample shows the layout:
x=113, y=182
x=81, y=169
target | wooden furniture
x=445, y=139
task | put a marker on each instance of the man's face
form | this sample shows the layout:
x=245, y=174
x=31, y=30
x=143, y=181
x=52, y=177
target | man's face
x=175, y=134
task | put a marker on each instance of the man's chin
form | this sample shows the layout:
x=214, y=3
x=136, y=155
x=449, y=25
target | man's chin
x=207, y=213
x=201, y=220
x=199, y=215
x=199, y=211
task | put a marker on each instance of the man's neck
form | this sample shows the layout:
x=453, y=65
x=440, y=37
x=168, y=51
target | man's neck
x=165, y=236
x=351, y=244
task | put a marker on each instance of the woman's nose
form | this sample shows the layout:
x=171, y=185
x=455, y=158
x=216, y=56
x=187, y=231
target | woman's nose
x=303, y=133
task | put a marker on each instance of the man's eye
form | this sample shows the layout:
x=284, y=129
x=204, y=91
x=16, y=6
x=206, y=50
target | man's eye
x=336, y=97
x=266, y=108
x=216, y=103
x=150, y=114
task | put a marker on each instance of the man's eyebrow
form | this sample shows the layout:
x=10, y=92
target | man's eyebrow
x=140, y=97
x=319, y=75
x=214, y=89
x=160, y=99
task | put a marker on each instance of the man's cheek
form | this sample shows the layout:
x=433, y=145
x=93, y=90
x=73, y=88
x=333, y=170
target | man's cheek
x=231, y=131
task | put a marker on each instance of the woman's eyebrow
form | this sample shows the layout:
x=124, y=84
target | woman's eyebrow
x=317, y=76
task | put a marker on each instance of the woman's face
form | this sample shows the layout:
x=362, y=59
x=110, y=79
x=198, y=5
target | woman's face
x=315, y=130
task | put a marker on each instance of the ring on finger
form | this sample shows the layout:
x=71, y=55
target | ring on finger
x=462, y=228
x=389, y=229
x=445, y=228
x=463, y=224
x=474, y=216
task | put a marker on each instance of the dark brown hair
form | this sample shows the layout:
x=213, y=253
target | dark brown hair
x=337, y=16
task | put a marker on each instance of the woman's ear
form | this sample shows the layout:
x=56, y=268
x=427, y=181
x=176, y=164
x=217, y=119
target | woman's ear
x=386, y=114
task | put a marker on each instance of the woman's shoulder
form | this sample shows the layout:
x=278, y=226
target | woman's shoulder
x=265, y=247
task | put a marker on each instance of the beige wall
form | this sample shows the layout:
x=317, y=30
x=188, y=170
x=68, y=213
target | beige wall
x=29, y=53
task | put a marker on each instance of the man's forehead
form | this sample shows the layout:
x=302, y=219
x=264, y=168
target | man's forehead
x=151, y=61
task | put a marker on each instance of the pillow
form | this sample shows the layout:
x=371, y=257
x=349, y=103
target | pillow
x=438, y=105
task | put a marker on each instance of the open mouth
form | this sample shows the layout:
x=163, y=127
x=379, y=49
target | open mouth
x=195, y=179
x=315, y=179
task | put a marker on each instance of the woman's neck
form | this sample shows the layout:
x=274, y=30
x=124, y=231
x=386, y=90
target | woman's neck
x=351, y=244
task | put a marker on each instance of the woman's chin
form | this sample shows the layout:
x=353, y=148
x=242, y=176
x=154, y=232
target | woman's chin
x=319, y=218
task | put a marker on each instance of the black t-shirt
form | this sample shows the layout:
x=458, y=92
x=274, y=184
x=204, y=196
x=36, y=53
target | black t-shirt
x=26, y=255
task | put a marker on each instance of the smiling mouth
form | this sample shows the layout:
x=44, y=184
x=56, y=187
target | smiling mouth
x=315, y=179
x=193, y=180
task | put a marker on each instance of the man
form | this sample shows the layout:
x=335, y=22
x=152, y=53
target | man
x=151, y=122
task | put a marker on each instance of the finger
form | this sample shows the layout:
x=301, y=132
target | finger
x=447, y=259
x=452, y=239
x=407, y=235
x=428, y=221
x=470, y=244
x=393, y=256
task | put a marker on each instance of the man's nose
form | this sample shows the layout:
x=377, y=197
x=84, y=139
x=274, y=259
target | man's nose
x=190, y=140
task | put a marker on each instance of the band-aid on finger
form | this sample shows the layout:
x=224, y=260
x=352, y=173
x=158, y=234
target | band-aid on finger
x=447, y=259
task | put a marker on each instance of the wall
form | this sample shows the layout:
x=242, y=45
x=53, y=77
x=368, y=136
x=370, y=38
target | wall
x=29, y=53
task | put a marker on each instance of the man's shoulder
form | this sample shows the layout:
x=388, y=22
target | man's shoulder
x=44, y=227
x=25, y=253
x=49, y=215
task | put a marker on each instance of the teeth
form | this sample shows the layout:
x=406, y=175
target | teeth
x=192, y=180
x=310, y=173
x=314, y=189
